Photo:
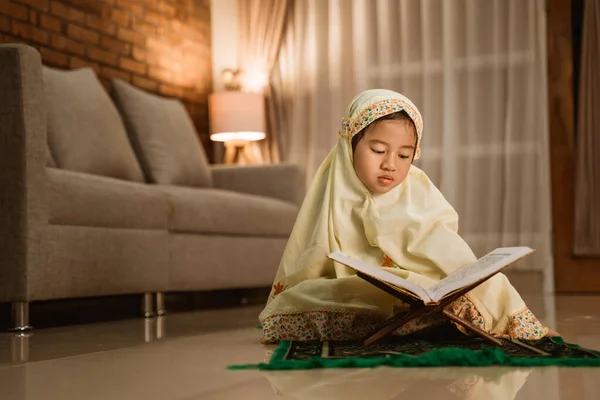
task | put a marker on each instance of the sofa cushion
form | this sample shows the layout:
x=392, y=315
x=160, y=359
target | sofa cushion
x=80, y=199
x=215, y=211
x=85, y=131
x=163, y=136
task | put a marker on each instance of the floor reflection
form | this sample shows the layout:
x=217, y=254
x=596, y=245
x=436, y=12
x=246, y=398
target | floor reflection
x=390, y=383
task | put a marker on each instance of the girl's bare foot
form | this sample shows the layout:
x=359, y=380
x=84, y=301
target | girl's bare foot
x=552, y=333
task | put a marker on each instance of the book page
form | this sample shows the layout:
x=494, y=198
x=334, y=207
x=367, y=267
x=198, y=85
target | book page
x=482, y=268
x=380, y=274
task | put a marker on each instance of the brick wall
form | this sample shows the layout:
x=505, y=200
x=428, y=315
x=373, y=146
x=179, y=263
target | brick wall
x=162, y=46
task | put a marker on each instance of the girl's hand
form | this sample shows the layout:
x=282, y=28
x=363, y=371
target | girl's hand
x=552, y=333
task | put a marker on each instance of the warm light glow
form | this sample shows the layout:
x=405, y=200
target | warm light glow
x=228, y=75
x=237, y=136
x=178, y=62
x=254, y=79
x=231, y=79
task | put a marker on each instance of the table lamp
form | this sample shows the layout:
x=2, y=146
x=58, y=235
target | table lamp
x=236, y=119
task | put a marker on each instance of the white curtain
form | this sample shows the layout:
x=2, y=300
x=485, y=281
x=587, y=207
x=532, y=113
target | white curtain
x=477, y=71
x=262, y=25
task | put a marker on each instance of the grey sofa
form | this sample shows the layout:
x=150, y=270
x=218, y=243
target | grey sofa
x=101, y=197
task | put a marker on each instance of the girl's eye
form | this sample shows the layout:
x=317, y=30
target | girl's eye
x=404, y=157
x=377, y=151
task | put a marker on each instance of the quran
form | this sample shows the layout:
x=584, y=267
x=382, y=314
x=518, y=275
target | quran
x=424, y=301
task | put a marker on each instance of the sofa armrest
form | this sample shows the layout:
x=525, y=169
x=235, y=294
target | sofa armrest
x=22, y=167
x=281, y=181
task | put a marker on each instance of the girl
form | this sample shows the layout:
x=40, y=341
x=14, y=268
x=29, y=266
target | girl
x=368, y=201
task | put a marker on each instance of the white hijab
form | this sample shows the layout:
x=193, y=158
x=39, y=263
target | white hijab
x=413, y=225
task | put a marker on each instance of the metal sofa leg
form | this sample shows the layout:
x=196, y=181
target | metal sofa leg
x=160, y=303
x=20, y=317
x=148, y=305
x=19, y=344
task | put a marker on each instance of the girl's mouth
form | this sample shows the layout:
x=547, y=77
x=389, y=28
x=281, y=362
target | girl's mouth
x=386, y=179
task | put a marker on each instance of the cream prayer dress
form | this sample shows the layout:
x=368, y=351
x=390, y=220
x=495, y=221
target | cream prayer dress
x=412, y=231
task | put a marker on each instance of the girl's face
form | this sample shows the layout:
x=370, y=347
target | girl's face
x=383, y=157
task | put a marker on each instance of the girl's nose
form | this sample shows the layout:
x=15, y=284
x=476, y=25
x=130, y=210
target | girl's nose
x=389, y=164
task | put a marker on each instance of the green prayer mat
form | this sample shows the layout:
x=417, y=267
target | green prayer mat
x=426, y=351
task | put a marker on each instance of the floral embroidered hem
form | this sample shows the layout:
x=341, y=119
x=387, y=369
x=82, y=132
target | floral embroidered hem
x=318, y=325
x=350, y=325
x=524, y=325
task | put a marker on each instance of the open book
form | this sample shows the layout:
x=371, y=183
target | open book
x=476, y=272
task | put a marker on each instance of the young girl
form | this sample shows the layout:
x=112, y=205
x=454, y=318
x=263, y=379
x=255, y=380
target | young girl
x=368, y=201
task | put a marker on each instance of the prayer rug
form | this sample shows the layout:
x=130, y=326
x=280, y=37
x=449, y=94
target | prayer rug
x=426, y=351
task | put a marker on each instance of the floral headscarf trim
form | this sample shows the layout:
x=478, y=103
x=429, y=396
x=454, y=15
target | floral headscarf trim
x=351, y=126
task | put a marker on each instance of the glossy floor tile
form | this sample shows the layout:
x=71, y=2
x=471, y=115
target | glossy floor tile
x=185, y=355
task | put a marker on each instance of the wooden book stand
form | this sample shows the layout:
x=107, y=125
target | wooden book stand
x=419, y=309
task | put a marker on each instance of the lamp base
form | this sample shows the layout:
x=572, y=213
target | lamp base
x=242, y=153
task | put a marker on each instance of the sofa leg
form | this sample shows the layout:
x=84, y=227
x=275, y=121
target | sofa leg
x=149, y=324
x=20, y=317
x=19, y=344
x=148, y=305
x=160, y=303
x=160, y=327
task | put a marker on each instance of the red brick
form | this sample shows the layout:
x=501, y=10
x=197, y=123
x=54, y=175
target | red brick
x=65, y=44
x=54, y=58
x=205, y=85
x=106, y=11
x=139, y=54
x=29, y=32
x=144, y=83
x=131, y=36
x=153, y=58
x=106, y=84
x=42, y=5
x=82, y=34
x=202, y=14
x=133, y=7
x=4, y=38
x=4, y=24
x=178, y=27
x=187, y=84
x=133, y=66
x=60, y=10
x=144, y=28
x=33, y=17
x=50, y=23
x=154, y=18
x=159, y=74
x=13, y=10
x=102, y=25
x=113, y=73
x=102, y=56
x=167, y=63
x=166, y=9
x=76, y=62
x=195, y=96
x=171, y=91
x=91, y=6
x=120, y=18
x=157, y=46
x=115, y=46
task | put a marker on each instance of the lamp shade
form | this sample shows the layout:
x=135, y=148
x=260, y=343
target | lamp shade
x=236, y=115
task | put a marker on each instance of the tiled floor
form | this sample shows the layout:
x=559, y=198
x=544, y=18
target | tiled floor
x=184, y=356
